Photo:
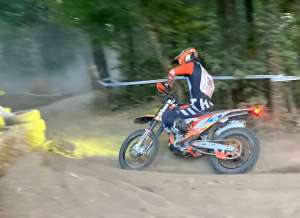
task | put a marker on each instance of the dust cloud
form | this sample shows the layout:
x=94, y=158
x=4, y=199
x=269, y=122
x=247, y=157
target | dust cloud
x=44, y=59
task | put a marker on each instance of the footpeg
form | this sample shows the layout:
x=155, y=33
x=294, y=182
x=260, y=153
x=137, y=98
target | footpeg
x=193, y=152
x=188, y=151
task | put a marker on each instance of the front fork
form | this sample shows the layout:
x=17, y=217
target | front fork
x=148, y=132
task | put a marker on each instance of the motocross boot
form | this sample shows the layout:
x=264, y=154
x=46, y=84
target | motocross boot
x=184, y=150
x=181, y=126
x=173, y=146
x=178, y=129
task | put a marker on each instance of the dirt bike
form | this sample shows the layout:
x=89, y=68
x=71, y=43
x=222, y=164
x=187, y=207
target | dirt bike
x=223, y=135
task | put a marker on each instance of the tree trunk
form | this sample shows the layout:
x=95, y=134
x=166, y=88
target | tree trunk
x=277, y=90
x=229, y=25
x=251, y=46
x=290, y=100
x=154, y=39
x=164, y=61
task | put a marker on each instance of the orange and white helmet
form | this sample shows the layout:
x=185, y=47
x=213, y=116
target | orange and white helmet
x=185, y=56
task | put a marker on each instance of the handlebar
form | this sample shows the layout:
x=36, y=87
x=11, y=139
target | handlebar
x=167, y=92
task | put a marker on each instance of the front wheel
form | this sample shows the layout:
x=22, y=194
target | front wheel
x=133, y=156
x=249, y=153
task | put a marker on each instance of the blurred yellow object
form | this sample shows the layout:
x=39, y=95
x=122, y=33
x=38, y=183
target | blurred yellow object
x=36, y=140
x=27, y=116
x=28, y=125
x=34, y=126
x=93, y=147
x=58, y=148
x=2, y=122
x=8, y=109
x=2, y=92
x=81, y=148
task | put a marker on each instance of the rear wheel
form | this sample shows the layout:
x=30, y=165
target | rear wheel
x=249, y=145
x=136, y=157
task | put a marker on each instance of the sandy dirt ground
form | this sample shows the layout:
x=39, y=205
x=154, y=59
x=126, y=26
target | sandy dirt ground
x=46, y=185
x=39, y=186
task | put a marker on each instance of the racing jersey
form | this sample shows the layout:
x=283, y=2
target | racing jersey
x=200, y=83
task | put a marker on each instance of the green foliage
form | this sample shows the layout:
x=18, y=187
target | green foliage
x=232, y=37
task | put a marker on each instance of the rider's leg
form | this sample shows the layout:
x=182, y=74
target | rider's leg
x=186, y=112
x=169, y=117
x=176, y=118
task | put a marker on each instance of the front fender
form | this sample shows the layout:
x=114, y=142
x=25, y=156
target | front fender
x=144, y=119
x=230, y=125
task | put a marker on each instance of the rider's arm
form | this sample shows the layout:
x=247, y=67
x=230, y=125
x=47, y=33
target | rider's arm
x=183, y=70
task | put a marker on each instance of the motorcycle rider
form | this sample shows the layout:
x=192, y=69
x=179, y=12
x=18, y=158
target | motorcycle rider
x=201, y=88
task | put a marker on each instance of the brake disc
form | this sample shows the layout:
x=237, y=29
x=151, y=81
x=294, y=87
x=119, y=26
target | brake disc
x=135, y=151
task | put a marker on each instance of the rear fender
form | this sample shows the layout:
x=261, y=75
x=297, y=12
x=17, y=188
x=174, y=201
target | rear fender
x=230, y=125
x=144, y=119
x=235, y=114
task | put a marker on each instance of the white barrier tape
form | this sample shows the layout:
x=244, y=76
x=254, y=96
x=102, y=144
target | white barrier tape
x=44, y=95
x=275, y=78
x=282, y=78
